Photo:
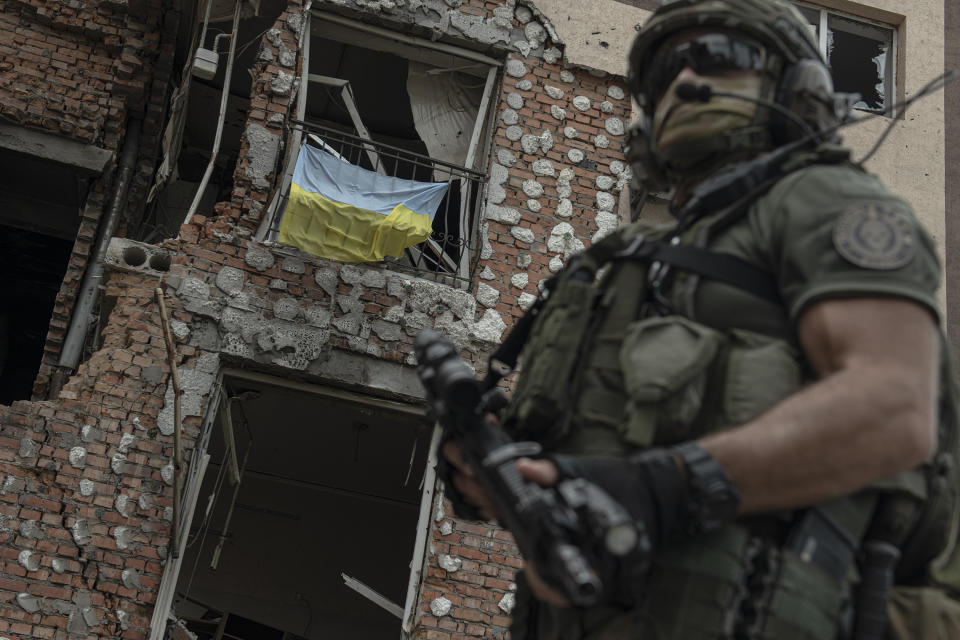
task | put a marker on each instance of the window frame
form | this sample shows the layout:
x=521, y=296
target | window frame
x=893, y=97
x=398, y=43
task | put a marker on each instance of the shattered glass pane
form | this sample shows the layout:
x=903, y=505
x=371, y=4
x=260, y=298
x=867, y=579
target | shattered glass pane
x=861, y=60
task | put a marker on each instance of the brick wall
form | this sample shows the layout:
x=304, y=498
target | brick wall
x=468, y=588
x=79, y=69
x=85, y=507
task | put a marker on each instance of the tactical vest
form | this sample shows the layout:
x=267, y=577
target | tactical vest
x=614, y=363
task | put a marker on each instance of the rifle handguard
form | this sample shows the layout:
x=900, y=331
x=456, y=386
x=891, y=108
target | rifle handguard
x=563, y=532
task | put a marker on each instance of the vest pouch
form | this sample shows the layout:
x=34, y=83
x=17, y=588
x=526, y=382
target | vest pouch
x=666, y=363
x=540, y=403
x=760, y=372
x=805, y=602
x=696, y=586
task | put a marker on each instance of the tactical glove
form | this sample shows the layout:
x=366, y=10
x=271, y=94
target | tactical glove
x=656, y=489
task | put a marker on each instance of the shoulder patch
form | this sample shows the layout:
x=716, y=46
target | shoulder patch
x=875, y=236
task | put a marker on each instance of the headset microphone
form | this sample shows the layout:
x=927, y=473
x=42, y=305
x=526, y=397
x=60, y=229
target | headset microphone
x=728, y=185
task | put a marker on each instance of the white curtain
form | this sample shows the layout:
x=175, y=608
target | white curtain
x=445, y=107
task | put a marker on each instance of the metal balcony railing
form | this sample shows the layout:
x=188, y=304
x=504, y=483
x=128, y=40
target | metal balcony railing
x=450, y=251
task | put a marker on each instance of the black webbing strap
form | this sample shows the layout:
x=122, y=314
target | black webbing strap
x=714, y=266
x=705, y=263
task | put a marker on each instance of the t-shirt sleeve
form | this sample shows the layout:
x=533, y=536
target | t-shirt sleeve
x=836, y=232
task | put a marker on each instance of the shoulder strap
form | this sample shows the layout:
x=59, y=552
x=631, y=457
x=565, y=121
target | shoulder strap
x=735, y=200
x=708, y=264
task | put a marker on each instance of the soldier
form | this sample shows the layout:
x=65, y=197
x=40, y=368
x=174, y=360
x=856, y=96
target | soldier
x=762, y=382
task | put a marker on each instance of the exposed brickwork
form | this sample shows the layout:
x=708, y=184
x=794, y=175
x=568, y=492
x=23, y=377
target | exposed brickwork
x=234, y=299
x=76, y=67
x=475, y=586
x=80, y=69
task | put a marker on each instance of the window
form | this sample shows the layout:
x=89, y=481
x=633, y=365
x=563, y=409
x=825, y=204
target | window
x=861, y=55
x=401, y=107
x=303, y=526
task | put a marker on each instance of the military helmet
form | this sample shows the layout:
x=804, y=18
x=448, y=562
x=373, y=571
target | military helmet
x=776, y=24
x=795, y=73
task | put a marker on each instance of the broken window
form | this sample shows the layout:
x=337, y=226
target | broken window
x=307, y=515
x=400, y=107
x=187, y=177
x=861, y=55
x=38, y=226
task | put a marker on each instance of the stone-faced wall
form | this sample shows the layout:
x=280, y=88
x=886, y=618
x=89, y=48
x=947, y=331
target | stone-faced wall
x=86, y=502
x=555, y=184
x=79, y=69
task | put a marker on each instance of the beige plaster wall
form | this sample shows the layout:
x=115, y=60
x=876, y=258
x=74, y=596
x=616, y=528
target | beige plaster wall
x=597, y=33
x=911, y=161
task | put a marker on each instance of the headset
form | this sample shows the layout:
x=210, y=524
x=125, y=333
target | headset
x=739, y=179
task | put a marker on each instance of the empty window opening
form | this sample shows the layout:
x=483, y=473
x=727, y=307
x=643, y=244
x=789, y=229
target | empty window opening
x=406, y=112
x=861, y=55
x=328, y=487
x=38, y=227
x=193, y=115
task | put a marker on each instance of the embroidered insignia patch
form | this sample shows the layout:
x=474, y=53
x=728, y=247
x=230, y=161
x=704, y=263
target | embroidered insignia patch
x=875, y=236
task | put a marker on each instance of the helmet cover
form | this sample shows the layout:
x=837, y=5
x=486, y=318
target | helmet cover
x=787, y=39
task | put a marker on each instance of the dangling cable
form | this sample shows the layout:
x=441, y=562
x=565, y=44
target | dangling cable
x=934, y=85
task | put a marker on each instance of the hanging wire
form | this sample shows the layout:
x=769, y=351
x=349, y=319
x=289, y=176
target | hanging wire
x=934, y=85
x=335, y=99
x=204, y=529
x=256, y=38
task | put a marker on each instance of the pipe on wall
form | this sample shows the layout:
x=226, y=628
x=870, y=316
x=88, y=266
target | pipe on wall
x=89, y=287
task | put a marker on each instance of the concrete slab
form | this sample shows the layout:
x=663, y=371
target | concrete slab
x=84, y=157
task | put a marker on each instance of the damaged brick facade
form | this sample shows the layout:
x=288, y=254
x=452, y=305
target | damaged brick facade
x=82, y=70
x=86, y=501
x=86, y=478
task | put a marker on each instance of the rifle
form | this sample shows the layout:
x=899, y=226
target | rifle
x=580, y=539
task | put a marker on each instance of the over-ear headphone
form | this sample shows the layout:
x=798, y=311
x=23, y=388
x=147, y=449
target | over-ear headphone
x=805, y=89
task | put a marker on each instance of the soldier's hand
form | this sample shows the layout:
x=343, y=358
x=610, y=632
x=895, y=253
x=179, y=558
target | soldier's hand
x=465, y=481
x=540, y=590
x=545, y=474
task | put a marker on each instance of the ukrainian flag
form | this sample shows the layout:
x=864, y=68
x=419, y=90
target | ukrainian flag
x=343, y=212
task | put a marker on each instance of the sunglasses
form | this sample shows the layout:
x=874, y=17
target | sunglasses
x=709, y=54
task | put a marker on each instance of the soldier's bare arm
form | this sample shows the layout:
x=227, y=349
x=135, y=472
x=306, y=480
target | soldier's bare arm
x=871, y=414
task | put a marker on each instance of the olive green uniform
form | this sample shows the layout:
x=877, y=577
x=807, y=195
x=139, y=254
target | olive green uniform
x=720, y=359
